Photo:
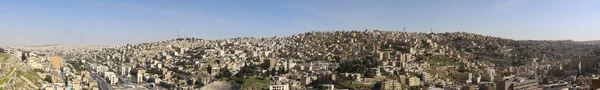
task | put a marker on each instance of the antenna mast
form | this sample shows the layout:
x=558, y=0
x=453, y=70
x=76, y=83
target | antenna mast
x=431, y=30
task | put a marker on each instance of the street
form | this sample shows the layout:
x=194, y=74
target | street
x=102, y=85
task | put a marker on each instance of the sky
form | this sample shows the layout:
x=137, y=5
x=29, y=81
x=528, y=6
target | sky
x=40, y=22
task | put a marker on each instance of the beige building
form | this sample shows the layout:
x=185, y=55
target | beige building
x=140, y=75
x=205, y=80
x=305, y=80
x=85, y=75
x=414, y=81
x=271, y=63
x=168, y=75
x=56, y=62
x=391, y=85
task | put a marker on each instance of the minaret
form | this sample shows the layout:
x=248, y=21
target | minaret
x=579, y=68
x=579, y=65
x=404, y=29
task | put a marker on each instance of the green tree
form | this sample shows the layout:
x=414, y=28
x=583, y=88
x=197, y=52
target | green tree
x=224, y=73
x=48, y=79
x=415, y=88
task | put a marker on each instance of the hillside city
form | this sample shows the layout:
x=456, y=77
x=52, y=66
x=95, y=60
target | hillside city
x=317, y=60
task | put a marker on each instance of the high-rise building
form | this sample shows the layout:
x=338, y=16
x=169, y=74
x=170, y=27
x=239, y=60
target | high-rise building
x=140, y=75
x=305, y=80
x=270, y=63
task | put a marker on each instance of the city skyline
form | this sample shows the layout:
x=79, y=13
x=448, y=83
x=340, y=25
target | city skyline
x=118, y=22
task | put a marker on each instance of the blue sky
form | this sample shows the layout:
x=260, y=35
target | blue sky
x=35, y=22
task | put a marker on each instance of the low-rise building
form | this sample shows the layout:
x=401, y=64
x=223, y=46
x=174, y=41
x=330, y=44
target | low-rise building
x=391, y=85
x=414, y=81
x=510, y=85
x=279, y=87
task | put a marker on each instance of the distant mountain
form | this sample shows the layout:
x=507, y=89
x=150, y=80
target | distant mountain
x=590, y=42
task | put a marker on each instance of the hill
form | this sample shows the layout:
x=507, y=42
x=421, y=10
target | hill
x=15, y=75
x=340, y=46
x=448, y=55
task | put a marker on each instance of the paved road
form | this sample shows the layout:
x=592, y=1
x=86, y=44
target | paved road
x=102, y=85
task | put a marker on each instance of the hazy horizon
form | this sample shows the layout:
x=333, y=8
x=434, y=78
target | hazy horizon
x=29, y=22
x=257, y=37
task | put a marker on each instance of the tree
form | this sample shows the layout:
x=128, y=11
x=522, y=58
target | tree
x=223, y=73
x=48, y=79
x=359, y=66
x=249, y=71
x=23, y=56
x=415, y=88
x=209, y=69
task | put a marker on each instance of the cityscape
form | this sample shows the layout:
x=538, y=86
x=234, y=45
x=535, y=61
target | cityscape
x=299, y=45
x=318, y=60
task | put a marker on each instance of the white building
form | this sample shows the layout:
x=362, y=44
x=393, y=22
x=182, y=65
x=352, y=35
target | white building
x=279, y=87
x=112, y=77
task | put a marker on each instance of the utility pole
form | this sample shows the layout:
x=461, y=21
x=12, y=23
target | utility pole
x=178, y=34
